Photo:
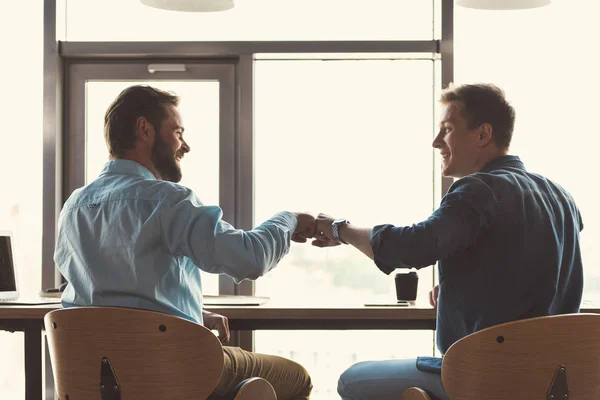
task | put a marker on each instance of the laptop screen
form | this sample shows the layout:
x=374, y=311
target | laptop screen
x=7, y=267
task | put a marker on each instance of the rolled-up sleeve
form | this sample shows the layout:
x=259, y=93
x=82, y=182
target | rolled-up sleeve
x=466, y=210
x=198, y=232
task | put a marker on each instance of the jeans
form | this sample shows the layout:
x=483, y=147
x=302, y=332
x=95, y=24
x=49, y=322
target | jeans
x=387, y=380
x=289, y=379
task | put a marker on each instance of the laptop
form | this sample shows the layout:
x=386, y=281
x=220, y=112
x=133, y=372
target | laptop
x=9, y=287
x=233, y=300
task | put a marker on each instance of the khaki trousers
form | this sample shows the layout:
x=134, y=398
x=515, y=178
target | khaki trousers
x=289, y=379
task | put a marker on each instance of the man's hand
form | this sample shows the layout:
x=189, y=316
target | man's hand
x=433, y=296
x=324, y=235
x=305, y=229
x=217, y=322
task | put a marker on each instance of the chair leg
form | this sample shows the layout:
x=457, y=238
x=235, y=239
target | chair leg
x=414, y=393
x=255, y=389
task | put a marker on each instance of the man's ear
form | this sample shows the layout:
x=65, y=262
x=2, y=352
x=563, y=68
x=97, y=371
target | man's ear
x=485, y=134
x=144, y=130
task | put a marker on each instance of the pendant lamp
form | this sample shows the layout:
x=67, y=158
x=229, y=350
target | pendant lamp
x=190, y=5
x=502, y=4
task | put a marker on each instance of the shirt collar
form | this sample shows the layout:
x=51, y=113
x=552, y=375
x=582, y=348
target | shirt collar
x=126, y=167
x=503, y=162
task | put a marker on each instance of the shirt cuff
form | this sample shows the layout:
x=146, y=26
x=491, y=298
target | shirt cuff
x=377, y=236
x=287, y=219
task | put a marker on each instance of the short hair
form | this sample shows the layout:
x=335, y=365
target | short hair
x=483, y=103
x=132, y=103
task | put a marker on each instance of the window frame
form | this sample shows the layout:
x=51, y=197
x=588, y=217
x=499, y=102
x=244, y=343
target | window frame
x=65, y=169
x=79, y=73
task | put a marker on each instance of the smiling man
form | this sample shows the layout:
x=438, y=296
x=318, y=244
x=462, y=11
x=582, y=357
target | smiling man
x=506, y=242
x=136, y=238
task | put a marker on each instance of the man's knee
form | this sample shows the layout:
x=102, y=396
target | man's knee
x=290, y=380
x=303, y=383
x=347, y=388
x=306, y=382
x=386, y=379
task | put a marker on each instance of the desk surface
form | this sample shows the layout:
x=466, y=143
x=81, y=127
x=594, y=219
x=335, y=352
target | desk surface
x=266, y=311
x=325, y=312
x=273, y=311
x=26, y=312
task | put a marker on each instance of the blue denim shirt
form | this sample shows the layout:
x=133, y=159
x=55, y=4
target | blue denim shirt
x=507, y=246
x=130, y=240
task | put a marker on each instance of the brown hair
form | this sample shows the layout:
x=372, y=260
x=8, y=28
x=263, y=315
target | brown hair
x=483, y=103
x=132, y=103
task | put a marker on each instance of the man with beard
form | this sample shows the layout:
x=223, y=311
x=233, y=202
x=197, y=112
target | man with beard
x=136, y=238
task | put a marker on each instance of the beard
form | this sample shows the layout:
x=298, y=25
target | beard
x=164, y=161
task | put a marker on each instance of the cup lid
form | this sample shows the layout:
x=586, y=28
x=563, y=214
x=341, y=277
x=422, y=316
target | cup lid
x=412, y=273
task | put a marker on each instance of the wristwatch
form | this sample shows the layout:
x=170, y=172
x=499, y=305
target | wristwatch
x=335, y=229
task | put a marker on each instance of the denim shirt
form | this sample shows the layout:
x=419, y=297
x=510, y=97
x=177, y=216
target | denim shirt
x=130, y=240
x=507, y=246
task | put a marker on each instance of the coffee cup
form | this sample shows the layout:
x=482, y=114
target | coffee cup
x=406, y=285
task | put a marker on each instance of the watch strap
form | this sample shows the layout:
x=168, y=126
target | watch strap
x=335, y=230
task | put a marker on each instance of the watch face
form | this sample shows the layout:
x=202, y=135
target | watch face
x=340, y=221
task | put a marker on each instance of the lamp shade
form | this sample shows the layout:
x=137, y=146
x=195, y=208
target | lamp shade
x=502, y=4
x=190, y=5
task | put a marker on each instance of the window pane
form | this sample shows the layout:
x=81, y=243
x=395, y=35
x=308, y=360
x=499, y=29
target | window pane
x=252, y=20
x=199, y=109
x=21, y=160
x=555, y=95
x=347, y=138
x=326, y=354
x=351, y=139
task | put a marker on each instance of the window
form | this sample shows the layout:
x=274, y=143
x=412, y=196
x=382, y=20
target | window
x=554, y=92
x=377, y=118
x=350, y=138
x=21, y=163
x=252, y=20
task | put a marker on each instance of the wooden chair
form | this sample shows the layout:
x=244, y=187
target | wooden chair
x=555, y=357
x=114, y=353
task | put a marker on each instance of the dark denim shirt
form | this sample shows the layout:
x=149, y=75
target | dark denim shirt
x=507, y=246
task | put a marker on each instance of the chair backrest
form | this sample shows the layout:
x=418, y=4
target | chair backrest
x=153, y=355
x=519, y=360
